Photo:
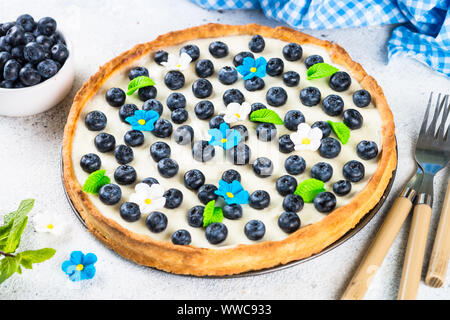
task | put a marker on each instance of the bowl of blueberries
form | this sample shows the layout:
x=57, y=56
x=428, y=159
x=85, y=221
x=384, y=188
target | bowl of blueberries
x=36, y=66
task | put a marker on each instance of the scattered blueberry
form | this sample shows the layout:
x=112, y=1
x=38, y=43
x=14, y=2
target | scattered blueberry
x=361, y=98
x=195, y=216
x=160, y=56
x=90, y=162
x=174, y=80
x=134, y=138
x=192, y=50
x=242, y=130
x=285, y=144
x=179, y=116
x=342, y=187
x=95, y=120
x=293, y=203
x=204, y=109
x=231, y=175
x=129, y=211
x=218, y=49
x=206, y=193
x=127, y=110
x=202, y=88
x=291, y=78
x=324, y=126
x=194, y=179
x=159, y=150
x=115, y=97
x=310, y=96
x=137, y=72
x=167, y=167
x=259, y=199
x=202, y=151
x=286, y=184
x=176, y=100
x=125, y=175
x=255, y=230
x=181, y=237
x=150, y=181
x=289, y=222
x=292, y=52
x=156, y=221
x=275, y=67
x=239, y=154
x=325, y=202
x=123, y=154
x=232, y=211
x=154, y=105
x=216, y=233
x=353, y=119
x=353, y=171
x=312, y=60
x=333, y=105
x=239, y=58
x=257, y=106
x=322, y=171
x=266, y=131
x=228, y=75
x=292, y=119
x=105, y=142
x=147, y=93
x=295, y=164
x=204, y=68
x=216, y=121
x=233, y=95
x=254, y=84
x=110, y=194
x=163, y=128
x=174, y=198
x=367, y=150
x=257, y=44
x=183, y=135
x=340, y=81
x=329, y=148
x=276, y=96
x=262, y=167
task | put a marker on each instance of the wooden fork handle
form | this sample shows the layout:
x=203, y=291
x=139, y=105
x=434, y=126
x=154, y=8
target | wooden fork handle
x=437, y=268
x=378, y=250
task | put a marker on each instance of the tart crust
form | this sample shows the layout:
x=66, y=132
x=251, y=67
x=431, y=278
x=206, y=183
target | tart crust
x=196, y=261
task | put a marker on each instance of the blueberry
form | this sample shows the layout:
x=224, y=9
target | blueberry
x=322, y=171
x=47, y=68
x=312, y=60
x=292, y=119
x=163, y=128
x=6, y=26
x=115, y=97
x=183, y=135
x=233, y=95
x=4, y=56
x=289, y=222
x=153, y=104
x=150, y=181
x=202, y=88
x=295, y=164
x=340, y=81
x=324, y=126
x=227, y=75
x=329, y=148
x=7, y=84
x=167, y=167
x=29, y=37
x=202, y=151
x=239, y=58
x=95, y=120
x=90, y=162
x=176, y=100
x=174, y=198
x=194, y=179
x=216, y=121
x=129, y=211
x=29, y=76
x=160, y=56
x=242, y=130
x=26, y=22
x=192, y=50
x=275, y=67
x=361, y=98
x=105, y=142
x=179, y=116
x=127, y=110
x=257, y=106
x=206, y=193
x=45, y=41
x=333, y=105
x=291, y=78
x=147, y=93
x=218, y=49
x=353, y=119
x=181, y=237
x=266, y=131
x=204, y=109
x=254, y=84
x=293, y=203
x=259, y=199
x=239, y=154
x=276, y=96
x=138, y=72
x=286, y=184
x=174, y=80
x=156, y=221
x=110, y=194
x=34, y=52
x=57, y=37
x=342, y=187
x=16, y=35
x=231, y=175
x=232, y=211
x=159, y=150
x=46, y=26
x=60, y=53
x=285, y=144
x=310, y=96
x=292, y=52
x=17, y=53
x=216, y=233
x=125, y=175
x=134, y=138
x=4, y=44
x=204, y=68
x=255, y=230
x=367, y=150
x=11, y=70
x=262, y=167
x=195, y=216
x=325, y=202
x=257, y=44
x=353, y=171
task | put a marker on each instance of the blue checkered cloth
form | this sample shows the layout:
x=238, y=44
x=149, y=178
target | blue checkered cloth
x=424, y=33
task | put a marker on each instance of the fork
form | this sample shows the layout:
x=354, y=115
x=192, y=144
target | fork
x=432, y=154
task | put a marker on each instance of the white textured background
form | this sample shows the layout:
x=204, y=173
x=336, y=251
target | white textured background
x=30, y=156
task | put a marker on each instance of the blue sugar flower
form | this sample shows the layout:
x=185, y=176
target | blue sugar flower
x=80, y=266
x=232, y=192
x=251, y=68
x=224, y=136
x=143, y=120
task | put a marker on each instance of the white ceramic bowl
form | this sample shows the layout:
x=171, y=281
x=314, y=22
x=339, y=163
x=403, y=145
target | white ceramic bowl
x=41, y=97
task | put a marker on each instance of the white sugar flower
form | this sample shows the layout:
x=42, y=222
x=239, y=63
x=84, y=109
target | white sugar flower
x=49, y=223
x=306, y=138
x=148, y=198
x=237, y=112
x=177, y=62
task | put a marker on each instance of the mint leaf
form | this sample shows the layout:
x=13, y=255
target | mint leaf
x=341, y=130
x=25, y=207
x=211, y=214
x=13, y=240
x=309, y=189
x=139, y=82
x=4, y=234
x=27, y=258
x=95, y=181
x=265, y=115
x=8, y=266
x=320, y=70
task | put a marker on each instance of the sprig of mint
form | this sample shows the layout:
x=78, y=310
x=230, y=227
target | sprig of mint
x=95, y=181
x=139, y=82
x=11, y=231
x=341, y=130
x=265, y=115
x=212, y=214
x=320, y=70
x=309, y=189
